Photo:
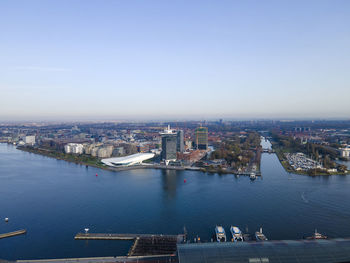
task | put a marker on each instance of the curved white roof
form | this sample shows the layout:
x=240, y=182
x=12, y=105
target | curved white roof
x=128, y=160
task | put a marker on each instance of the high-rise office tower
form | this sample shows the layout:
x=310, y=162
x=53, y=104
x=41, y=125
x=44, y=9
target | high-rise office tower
x=180, y=147
x=201, y=138
x=169, y=145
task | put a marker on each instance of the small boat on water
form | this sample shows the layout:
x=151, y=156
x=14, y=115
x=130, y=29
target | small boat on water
x=220, y=234
x=317, y=235
x=252, y=176
x=259, y=236
x=236, y=234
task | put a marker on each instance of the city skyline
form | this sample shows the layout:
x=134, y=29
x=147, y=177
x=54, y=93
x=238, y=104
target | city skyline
x=88, y=60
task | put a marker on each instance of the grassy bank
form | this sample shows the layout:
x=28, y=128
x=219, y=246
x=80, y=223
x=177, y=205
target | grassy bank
x=78, y=159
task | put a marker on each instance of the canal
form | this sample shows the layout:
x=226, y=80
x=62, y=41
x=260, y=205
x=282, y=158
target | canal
x=54, y=200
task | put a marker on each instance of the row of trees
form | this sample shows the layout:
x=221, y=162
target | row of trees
x=238, y=151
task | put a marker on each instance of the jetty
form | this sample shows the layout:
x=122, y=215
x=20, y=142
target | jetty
x=112, y=236
x=144, y=244
x=14, y=233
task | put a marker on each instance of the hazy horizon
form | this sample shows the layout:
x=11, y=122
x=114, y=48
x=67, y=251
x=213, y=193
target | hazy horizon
x=93, y=60
x=159, y=119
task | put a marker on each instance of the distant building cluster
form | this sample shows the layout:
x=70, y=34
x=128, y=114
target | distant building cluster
x=170, y=146
x=175, y=148
x=224, y=145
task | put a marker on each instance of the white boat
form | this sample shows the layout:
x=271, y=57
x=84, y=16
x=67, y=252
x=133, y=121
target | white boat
x=317, y=235
x=236, y=234
x=220, y=234
x=252, y=176
x=259, y=236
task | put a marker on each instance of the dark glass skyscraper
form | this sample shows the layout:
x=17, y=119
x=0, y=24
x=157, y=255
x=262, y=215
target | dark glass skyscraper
x=169, y=142
x=180, y=147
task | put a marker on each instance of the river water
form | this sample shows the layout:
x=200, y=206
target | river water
x=54, y=200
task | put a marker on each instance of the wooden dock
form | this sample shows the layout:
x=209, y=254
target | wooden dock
x=14, y=233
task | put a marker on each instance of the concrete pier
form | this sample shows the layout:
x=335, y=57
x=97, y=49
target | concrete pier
x=144, y=244
x=106, y=236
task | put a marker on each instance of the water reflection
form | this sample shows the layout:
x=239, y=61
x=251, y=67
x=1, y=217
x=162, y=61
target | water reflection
x=170, y=181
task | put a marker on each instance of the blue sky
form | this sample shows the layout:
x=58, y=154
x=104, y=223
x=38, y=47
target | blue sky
x=174, y=59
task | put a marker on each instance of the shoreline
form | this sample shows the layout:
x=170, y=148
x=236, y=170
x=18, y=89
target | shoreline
x=69, y=158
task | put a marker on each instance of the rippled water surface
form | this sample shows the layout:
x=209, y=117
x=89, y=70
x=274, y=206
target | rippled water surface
x=54, y=200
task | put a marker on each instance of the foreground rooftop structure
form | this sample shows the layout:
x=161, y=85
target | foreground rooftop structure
x=331, y=250
x=133, y=159
x=282, y=251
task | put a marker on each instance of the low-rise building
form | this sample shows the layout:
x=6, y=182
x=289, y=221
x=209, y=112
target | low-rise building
x=118, y=151
x=75, y=148
x=29, y=140
x=105, y=152
x=143, y=147
x=345, y=152
x=188, y=144
x=190, y=157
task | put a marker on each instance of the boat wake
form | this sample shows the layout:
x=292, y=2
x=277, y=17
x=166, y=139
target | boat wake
x=304, y=198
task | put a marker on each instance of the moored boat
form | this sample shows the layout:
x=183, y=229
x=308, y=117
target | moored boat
x=317, y=235
x=259, y=236
x=236, y=234
x=252, y=176
x=220, y=234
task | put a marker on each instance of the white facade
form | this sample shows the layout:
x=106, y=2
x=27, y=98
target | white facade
x=133, y=159
x=345, y=152
x=29, y=140
x=75, y=148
